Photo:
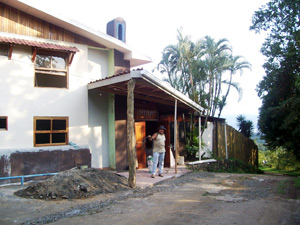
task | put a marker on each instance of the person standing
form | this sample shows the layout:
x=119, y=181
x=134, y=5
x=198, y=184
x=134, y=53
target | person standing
x=159, y=150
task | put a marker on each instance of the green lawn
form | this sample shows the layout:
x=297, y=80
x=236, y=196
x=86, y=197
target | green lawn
x=274, y=170
x=294, y=173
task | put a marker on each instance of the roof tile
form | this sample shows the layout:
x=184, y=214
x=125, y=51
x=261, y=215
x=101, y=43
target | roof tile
x=38, y=44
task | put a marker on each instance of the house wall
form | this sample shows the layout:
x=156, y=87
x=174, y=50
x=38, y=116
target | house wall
x=208, y=140
x=21, y=101
x=98, y=128
x=121, y=65
x=87, y=112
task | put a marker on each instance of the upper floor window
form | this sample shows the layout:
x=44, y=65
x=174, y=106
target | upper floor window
x=121, y=32
x=51, y=69
x=3, y=123
x=50, y=131
x=4, y=49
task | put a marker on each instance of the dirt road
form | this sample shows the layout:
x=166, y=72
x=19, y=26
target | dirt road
x=205, y=198
x=196, y=198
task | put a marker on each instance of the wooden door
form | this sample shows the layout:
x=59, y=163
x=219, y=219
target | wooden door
x=140, y=134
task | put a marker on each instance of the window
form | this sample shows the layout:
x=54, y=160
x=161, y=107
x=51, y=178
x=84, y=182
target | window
x=50, y=131
x=120, y=32
x=4, y=49
x=3, y=123
x=51, y=69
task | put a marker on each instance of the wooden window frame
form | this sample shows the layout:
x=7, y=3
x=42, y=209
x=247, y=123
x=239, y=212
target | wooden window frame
x=52, y=71
x=6, y=127
x=51, y=131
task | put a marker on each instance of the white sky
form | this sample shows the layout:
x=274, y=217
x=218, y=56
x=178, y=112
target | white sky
x=152, y=25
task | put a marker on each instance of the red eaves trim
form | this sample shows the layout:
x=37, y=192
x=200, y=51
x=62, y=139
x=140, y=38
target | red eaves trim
x=38, y=44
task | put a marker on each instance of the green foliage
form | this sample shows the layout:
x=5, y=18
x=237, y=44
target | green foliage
x=192, y=145
x=297, y=182
x=279, y=118
x=293, y=173
x=280, y=159
x=191, y=150
x=197, y=69
x=245, y=126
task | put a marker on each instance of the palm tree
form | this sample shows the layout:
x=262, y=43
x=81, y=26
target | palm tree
x=186, y=61
x=197, y=69
x=169, y=65
x=245, y=126
x=237, y=64
x=214, y=60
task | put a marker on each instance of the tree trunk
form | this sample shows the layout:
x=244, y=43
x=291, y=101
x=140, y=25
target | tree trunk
x=131, y=135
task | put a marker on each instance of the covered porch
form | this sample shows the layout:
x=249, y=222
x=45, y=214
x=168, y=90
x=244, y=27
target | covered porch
x=155, y=103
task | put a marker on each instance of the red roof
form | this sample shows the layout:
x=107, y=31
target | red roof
x=37, y=44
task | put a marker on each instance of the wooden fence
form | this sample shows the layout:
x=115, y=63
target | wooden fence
x=238, y=146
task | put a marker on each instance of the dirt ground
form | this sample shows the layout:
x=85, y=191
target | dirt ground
x=195, y=198
x=75, y=184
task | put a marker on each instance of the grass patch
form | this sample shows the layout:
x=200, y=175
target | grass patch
x=284, y=172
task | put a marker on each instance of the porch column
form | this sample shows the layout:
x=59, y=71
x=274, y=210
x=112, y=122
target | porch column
x=131, y=135
x=175, y=135
x=226, y=149
x=111, y=115
x=200, y=139
x=111, y=131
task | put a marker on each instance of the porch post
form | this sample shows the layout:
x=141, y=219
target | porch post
x=111, y=115
x=111, y=131
x=131, y=135
x=200, y=139
x=226, y=140
x=175, y=135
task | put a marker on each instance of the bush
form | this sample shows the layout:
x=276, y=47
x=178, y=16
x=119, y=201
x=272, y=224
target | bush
x=279, y=159
x=191, y=151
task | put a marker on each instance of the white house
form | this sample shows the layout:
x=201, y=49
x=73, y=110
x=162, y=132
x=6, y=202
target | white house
x=63, y=93
x=49, y=121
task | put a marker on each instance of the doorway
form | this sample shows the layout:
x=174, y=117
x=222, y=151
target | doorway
x=142, y=130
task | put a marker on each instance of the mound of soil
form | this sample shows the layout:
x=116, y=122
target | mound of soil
x=75, y=184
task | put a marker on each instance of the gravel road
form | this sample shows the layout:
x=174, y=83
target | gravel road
x=195, y=198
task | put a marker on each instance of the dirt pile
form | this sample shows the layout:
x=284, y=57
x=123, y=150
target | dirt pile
x=75, y=184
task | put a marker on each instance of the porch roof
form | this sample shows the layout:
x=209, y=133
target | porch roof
x=148, y=87
x=38, y=44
